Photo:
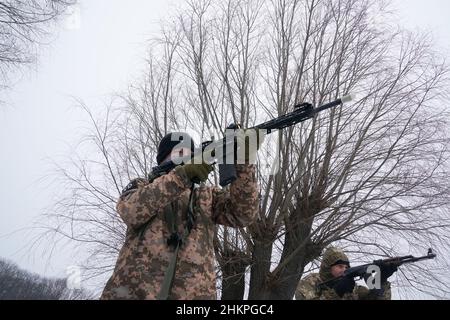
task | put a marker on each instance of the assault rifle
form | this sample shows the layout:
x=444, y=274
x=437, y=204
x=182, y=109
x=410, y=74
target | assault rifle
x=227, y=172
x=360, y=272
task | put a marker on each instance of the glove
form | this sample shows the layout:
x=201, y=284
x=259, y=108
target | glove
x=387, y=270
x=345, y=285
x=197, y=173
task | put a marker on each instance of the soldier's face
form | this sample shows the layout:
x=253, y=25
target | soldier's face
x=338, y=270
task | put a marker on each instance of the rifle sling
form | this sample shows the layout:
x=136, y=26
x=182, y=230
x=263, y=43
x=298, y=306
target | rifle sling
x=176, y=241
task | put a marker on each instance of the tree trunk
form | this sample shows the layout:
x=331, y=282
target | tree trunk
x=282, y=282
x=260, y=269
x=233, y=275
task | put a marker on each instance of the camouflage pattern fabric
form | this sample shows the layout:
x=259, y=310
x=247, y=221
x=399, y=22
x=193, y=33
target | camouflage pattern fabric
x=145, y=256
x=308, y=289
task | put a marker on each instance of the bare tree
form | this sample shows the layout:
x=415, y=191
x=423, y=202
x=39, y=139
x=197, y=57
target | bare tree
x=369, y=176
x=23, y=25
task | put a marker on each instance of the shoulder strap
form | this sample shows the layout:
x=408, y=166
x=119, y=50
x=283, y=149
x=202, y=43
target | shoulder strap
x=176, y=241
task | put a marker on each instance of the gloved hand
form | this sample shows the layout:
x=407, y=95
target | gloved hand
x=387, y=270
x=197, y=173
x=343, y=286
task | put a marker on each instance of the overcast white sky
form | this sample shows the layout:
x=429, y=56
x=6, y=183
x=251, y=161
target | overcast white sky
x=90, y=62
x=39, y=122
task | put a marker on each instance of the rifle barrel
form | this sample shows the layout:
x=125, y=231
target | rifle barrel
x=302, y=113
x=334, y=103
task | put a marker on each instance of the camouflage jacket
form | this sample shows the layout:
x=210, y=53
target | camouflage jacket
x=308, y=290
x=144, y=258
